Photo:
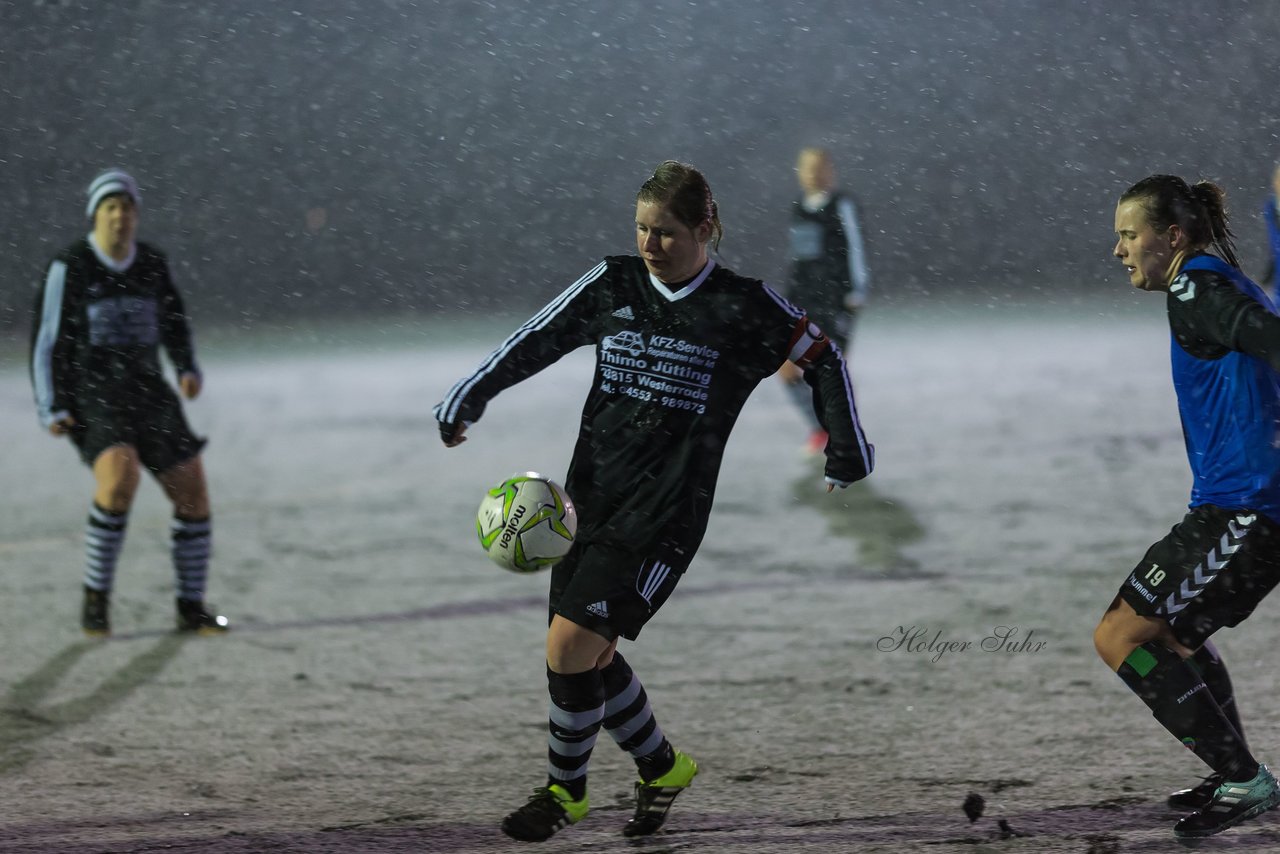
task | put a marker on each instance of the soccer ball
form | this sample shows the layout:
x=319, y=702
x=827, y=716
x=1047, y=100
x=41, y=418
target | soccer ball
x=526, y=523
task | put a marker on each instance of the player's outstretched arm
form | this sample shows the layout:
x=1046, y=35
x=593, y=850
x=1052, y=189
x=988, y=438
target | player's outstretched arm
x=560, y=327
x=850, y=457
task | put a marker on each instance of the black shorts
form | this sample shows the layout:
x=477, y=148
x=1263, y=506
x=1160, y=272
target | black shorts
x=1211, y=571
x=155, y=425
x=613, y=591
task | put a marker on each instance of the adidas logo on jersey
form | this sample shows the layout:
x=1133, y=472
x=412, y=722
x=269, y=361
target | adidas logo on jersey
x=625, y=313
x=600, y=609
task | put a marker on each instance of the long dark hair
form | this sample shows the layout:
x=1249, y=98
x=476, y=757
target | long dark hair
x=1200, y=210
x=682, y=188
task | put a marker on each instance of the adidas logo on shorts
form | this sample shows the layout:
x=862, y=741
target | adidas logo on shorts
x=600, y=609
x=625, y=313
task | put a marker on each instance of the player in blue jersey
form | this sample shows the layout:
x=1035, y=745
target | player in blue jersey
x=1217, y=564
x=680, y=344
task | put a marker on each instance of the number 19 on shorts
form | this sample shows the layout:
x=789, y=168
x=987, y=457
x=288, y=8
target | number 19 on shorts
x=1155, y=575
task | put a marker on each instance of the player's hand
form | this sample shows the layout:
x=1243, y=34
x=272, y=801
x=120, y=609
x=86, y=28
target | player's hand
x=190, y=384
x=790, y=373
x=62, y=426
x=452, y=434
x=832, y=483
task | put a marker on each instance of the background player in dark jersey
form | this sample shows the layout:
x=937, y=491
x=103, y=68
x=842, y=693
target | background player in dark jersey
x=829, y=277
x=105, y=307
x=680, y=344
x=1224, y=556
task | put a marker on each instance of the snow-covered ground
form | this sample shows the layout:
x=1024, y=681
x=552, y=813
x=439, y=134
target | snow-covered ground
x=383, y=689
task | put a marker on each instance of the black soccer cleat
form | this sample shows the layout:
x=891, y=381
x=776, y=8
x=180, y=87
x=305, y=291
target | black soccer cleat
x=1231, y=804
x=1197, y=796
x=549, y=809
x=654, y=799
x=193, y=617
x=94, y=617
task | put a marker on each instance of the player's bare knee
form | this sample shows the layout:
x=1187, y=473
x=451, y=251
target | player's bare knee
x=606, y=657
x=1108, y=643
x=116, y=487
x=1118, y=634
x=572, y=648
x=191, y=506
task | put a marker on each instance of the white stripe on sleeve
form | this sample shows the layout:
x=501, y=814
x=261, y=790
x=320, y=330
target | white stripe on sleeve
x=42, y=356
x=858, y=274
x=447, y=410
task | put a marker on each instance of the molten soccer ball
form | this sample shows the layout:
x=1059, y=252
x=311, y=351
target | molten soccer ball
x=527, y=522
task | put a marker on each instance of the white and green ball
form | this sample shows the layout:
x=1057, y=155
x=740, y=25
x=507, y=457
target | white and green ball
x=526, y=523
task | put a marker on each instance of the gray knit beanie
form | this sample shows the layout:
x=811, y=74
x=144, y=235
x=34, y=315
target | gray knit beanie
x=108, y=184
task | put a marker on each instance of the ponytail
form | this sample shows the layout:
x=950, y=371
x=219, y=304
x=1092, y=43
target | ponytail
x=1214, y=200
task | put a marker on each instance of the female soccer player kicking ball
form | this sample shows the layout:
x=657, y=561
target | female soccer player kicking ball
x=1217, y=564
x=680, y=344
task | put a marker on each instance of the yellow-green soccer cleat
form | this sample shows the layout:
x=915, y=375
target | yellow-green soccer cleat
x=549, y=809
x=654, y=798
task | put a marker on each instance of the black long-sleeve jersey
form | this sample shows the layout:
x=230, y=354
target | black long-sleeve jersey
x=98, y=328
x=673, y=370
x=828, y=261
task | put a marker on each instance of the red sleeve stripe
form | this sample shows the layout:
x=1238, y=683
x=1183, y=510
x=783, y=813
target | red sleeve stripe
x=807, y=343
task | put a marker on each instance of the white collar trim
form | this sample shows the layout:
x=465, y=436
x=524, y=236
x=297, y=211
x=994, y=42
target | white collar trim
x=672, y=296
x=109, y=262
x=814, y=202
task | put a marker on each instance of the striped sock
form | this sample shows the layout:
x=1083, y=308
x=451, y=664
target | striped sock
x=577, y=707
x=103, y=539
x=629, y=719
x=191, y=540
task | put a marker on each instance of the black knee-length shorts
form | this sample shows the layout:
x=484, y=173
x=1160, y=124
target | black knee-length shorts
x=154, y=424
x=615, y=591
x=1210, y=571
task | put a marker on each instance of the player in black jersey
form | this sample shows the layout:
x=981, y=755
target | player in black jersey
x=680, y=344
x=105, y=307
x=829, y=278
x=1218, y=563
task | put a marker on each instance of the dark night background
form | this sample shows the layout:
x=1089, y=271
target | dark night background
x=318, y=159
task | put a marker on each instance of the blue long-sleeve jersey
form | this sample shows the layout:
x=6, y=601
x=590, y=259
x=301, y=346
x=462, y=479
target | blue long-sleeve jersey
x=1226, y=356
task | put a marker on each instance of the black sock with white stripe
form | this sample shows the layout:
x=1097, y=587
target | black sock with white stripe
x=629, y=719
x=577, y=707
x=1209, y=662
x=191, y=540
x=1183, y=704
x=104, y=538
